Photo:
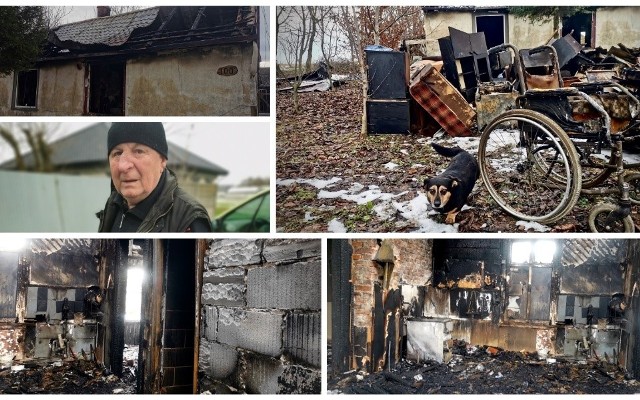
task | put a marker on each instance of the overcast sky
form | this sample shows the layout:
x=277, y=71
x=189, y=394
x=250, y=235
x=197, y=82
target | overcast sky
x=242, y=148
x=80, y=13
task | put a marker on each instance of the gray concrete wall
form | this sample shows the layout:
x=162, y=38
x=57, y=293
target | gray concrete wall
x=260, y=330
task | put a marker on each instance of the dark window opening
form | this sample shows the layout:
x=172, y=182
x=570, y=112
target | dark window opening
x=493, y=28
x=26, y=89
x=579, y=26
x=106, y=89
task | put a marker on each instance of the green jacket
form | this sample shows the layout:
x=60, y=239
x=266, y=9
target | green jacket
x=174, y=211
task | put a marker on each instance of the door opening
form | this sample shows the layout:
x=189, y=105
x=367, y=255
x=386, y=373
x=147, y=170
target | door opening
x=106, y=89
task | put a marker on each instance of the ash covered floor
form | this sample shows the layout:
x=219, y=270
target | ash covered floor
x=488, y=370
x=75, y=376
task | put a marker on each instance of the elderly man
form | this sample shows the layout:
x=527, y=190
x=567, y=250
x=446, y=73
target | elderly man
x=145, y=195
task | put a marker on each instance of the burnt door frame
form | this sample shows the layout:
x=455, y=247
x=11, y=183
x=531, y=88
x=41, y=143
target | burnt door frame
x=339, y=266
x=201, y=249
x=151, y=318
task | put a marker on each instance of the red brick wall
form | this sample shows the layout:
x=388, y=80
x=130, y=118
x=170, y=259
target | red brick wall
x=412, y=266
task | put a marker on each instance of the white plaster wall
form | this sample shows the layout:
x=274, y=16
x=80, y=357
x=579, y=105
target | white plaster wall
x=187, y=83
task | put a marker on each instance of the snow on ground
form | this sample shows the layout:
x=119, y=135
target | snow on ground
x=533, y=225
x=416, y=211
x=317, y=183
x=336, y=226
x=391, y=165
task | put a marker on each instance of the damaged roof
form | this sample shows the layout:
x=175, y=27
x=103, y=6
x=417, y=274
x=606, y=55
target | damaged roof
x=112, y=31
x=153, y=29
x=50, y=246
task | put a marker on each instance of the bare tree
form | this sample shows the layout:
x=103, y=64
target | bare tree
x=294, y=30
x=117, y=10
x=329, y=37
x=54, y=15
x=350, y=19
x=34, y=136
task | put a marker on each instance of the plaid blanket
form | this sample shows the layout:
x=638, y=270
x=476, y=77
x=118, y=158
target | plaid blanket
x=439, y=98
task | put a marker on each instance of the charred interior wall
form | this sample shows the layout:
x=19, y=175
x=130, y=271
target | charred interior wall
x=261, y=324
x=8, y=284
x=631, y=332
x=377, y=296
x=188, y=83
x=472, y=272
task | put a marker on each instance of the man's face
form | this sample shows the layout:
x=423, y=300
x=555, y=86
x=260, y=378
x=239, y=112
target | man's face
x=135, y=170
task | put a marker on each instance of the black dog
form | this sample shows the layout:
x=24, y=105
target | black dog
x=448, y=192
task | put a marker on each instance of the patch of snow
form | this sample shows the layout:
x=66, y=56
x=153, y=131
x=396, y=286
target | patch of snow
x=384, y=210
x=422, y=140
x=417, y=212
x=336, y=226
x=391, y=165
x=356, y=187
x=381, y=176
x=469, y=144
x=308, y=217
x=418, y=165
x=323, y=194
x=533, y=225
x=317, y=183
x=404, y=151
x=371, y=187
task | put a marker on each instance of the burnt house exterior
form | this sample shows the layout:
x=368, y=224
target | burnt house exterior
x=395, y=299
x=168, y=60
x=593, y=27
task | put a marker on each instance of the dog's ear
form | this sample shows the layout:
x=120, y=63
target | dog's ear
x=426, y=183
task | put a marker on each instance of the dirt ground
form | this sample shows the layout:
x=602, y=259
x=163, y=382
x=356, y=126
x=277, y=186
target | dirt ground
x=474, y=370
x=320, y=152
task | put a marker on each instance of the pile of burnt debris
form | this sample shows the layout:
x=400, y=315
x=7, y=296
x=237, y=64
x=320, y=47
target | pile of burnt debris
x=70, y=376
x=490, y=370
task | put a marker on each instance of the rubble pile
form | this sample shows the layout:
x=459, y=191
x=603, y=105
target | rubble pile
x=68, y=377
x=490, y=370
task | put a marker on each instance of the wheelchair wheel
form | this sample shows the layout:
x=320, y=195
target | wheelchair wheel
x=593, y=168
x=530, y=166
x=633, y=180
x=598, y=217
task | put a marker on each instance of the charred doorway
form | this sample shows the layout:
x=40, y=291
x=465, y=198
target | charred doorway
x=106, y=88
x=493, y=26
x=169, y=320
x=580, y=27
x=339, y=298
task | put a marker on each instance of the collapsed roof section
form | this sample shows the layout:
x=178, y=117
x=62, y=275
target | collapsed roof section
x=152, y=30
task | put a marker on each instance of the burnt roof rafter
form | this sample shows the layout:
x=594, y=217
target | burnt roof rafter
x=151, y=30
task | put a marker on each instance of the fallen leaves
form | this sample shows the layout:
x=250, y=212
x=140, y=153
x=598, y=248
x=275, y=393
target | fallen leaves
x=324, y=141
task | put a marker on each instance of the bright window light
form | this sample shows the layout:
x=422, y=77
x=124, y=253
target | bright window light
x=544, y=250
x=12, y=245
x=135, y=276
x=520, y=252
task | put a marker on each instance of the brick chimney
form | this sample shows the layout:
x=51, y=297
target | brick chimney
x=104, y=11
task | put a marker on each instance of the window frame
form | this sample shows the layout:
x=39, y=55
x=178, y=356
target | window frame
x=16, y=87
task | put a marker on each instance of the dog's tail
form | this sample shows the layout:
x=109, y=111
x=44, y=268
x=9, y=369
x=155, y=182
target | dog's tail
x=446, y=151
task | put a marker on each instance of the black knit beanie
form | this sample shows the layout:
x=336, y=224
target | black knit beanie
x=147, y=133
